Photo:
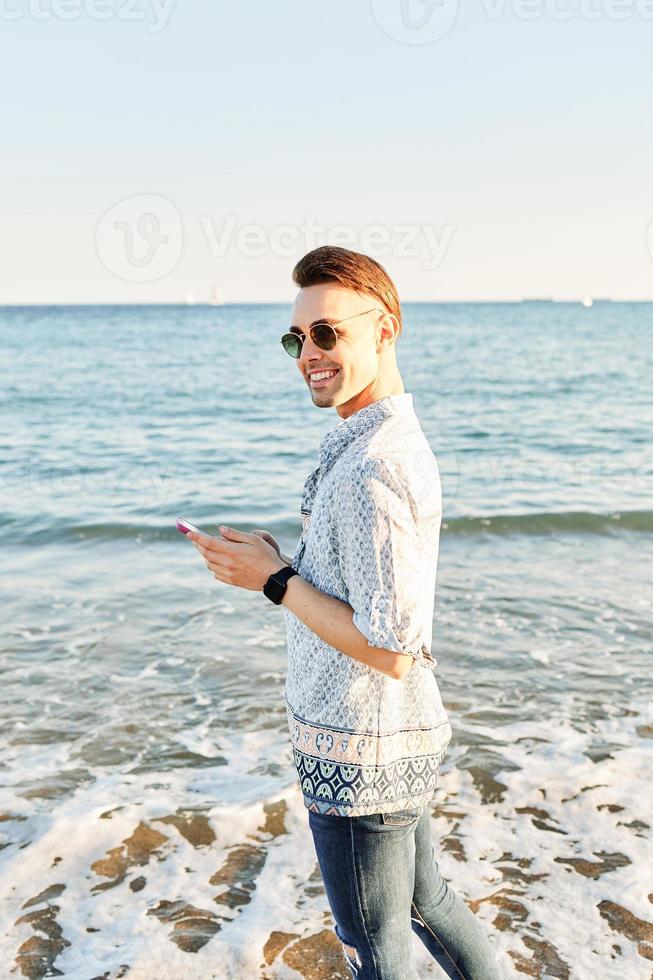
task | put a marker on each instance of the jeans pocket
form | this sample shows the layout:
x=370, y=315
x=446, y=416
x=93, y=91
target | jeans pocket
x=402, y=818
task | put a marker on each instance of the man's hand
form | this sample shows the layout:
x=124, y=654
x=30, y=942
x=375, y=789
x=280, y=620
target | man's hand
x=273, y=541
x=269, y=538
x=238, y=558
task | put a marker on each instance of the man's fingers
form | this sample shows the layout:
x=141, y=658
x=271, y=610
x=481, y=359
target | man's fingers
x=203, y=539
x=214, y=545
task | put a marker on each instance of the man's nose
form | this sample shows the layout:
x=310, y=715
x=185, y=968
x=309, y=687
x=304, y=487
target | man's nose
x=310, y=350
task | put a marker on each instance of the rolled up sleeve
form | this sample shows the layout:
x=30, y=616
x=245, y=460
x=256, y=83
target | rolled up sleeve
x=382, y=561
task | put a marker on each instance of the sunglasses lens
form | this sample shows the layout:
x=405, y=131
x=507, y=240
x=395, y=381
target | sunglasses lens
x=292, y=344
x=324, y=336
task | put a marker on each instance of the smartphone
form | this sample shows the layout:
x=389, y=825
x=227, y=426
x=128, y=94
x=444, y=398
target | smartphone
x=186, y=526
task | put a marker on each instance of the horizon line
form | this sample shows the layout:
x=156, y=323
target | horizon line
x=418, y=302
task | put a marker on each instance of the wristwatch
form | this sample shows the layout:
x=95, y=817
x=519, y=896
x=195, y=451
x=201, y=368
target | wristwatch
x=275, y=587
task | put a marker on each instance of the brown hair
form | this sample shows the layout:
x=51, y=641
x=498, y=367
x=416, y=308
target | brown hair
x=353, y=270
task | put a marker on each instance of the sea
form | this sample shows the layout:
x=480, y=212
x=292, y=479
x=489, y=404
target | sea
x=151, y=823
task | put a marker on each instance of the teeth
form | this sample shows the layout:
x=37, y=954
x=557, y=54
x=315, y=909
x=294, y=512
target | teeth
x=322, y=374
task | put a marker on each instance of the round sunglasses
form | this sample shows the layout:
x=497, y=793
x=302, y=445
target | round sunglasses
x=322, y=334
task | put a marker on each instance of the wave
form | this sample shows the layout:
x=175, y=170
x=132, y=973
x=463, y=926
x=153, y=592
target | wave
x=556, y=523
x=552, y=522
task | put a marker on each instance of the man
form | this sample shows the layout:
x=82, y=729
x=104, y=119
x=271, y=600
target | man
x=366, y=719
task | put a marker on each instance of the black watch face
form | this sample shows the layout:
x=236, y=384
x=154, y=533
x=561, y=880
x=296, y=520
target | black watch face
x=273, y=589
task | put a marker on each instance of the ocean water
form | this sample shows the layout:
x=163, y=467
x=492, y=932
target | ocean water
x=151, y=826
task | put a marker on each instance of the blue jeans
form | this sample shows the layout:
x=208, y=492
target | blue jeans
x=382, y=881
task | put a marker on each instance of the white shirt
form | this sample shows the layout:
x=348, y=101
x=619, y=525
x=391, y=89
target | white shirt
x=364, y=742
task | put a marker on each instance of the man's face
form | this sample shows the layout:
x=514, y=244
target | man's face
x=356, y=357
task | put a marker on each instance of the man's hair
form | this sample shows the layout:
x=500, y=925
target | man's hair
x=353, y=270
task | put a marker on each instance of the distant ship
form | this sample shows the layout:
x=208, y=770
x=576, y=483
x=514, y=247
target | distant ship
x=588, y=301
x=537, y=299
x=190, y=298
x=217, y=299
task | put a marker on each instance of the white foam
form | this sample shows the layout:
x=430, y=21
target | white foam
x=552, y=769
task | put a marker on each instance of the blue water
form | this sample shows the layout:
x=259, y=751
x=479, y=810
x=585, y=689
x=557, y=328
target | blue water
x=117, y=419
x=122, y=655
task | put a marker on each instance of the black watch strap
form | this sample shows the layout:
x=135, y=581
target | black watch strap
x=275, y=587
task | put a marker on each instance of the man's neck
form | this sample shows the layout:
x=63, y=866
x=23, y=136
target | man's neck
x=367, y=397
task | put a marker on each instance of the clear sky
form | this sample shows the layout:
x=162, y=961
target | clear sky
x=155, y=148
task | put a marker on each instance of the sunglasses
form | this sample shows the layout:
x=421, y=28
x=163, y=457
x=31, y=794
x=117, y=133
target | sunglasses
x=322, y=334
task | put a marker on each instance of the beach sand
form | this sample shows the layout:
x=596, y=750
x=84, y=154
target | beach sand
x=551, y=855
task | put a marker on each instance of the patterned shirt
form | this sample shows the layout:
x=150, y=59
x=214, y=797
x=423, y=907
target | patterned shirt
x=364, y=742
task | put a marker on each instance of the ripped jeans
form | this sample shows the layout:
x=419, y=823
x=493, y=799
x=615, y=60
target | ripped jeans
x=382, y=880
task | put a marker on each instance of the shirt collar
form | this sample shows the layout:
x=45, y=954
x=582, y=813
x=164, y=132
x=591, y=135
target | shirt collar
x=335, y=440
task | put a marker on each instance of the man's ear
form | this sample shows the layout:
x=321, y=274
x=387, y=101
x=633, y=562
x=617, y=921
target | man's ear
x=388, y=328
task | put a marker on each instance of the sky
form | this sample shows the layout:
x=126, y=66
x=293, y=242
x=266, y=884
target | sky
x=174, y=150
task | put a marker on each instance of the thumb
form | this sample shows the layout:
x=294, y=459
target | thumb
x=230, y=532
x=263, y=534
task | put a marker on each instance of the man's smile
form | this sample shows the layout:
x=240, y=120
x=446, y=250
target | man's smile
x=321, y=378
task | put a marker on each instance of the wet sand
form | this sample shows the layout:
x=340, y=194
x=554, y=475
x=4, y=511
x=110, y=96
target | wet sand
x=200, y=893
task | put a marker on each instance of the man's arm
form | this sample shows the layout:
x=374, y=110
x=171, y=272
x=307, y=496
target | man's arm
x=332, y=620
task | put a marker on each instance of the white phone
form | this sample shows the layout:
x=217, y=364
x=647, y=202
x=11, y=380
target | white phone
x=186, y=526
